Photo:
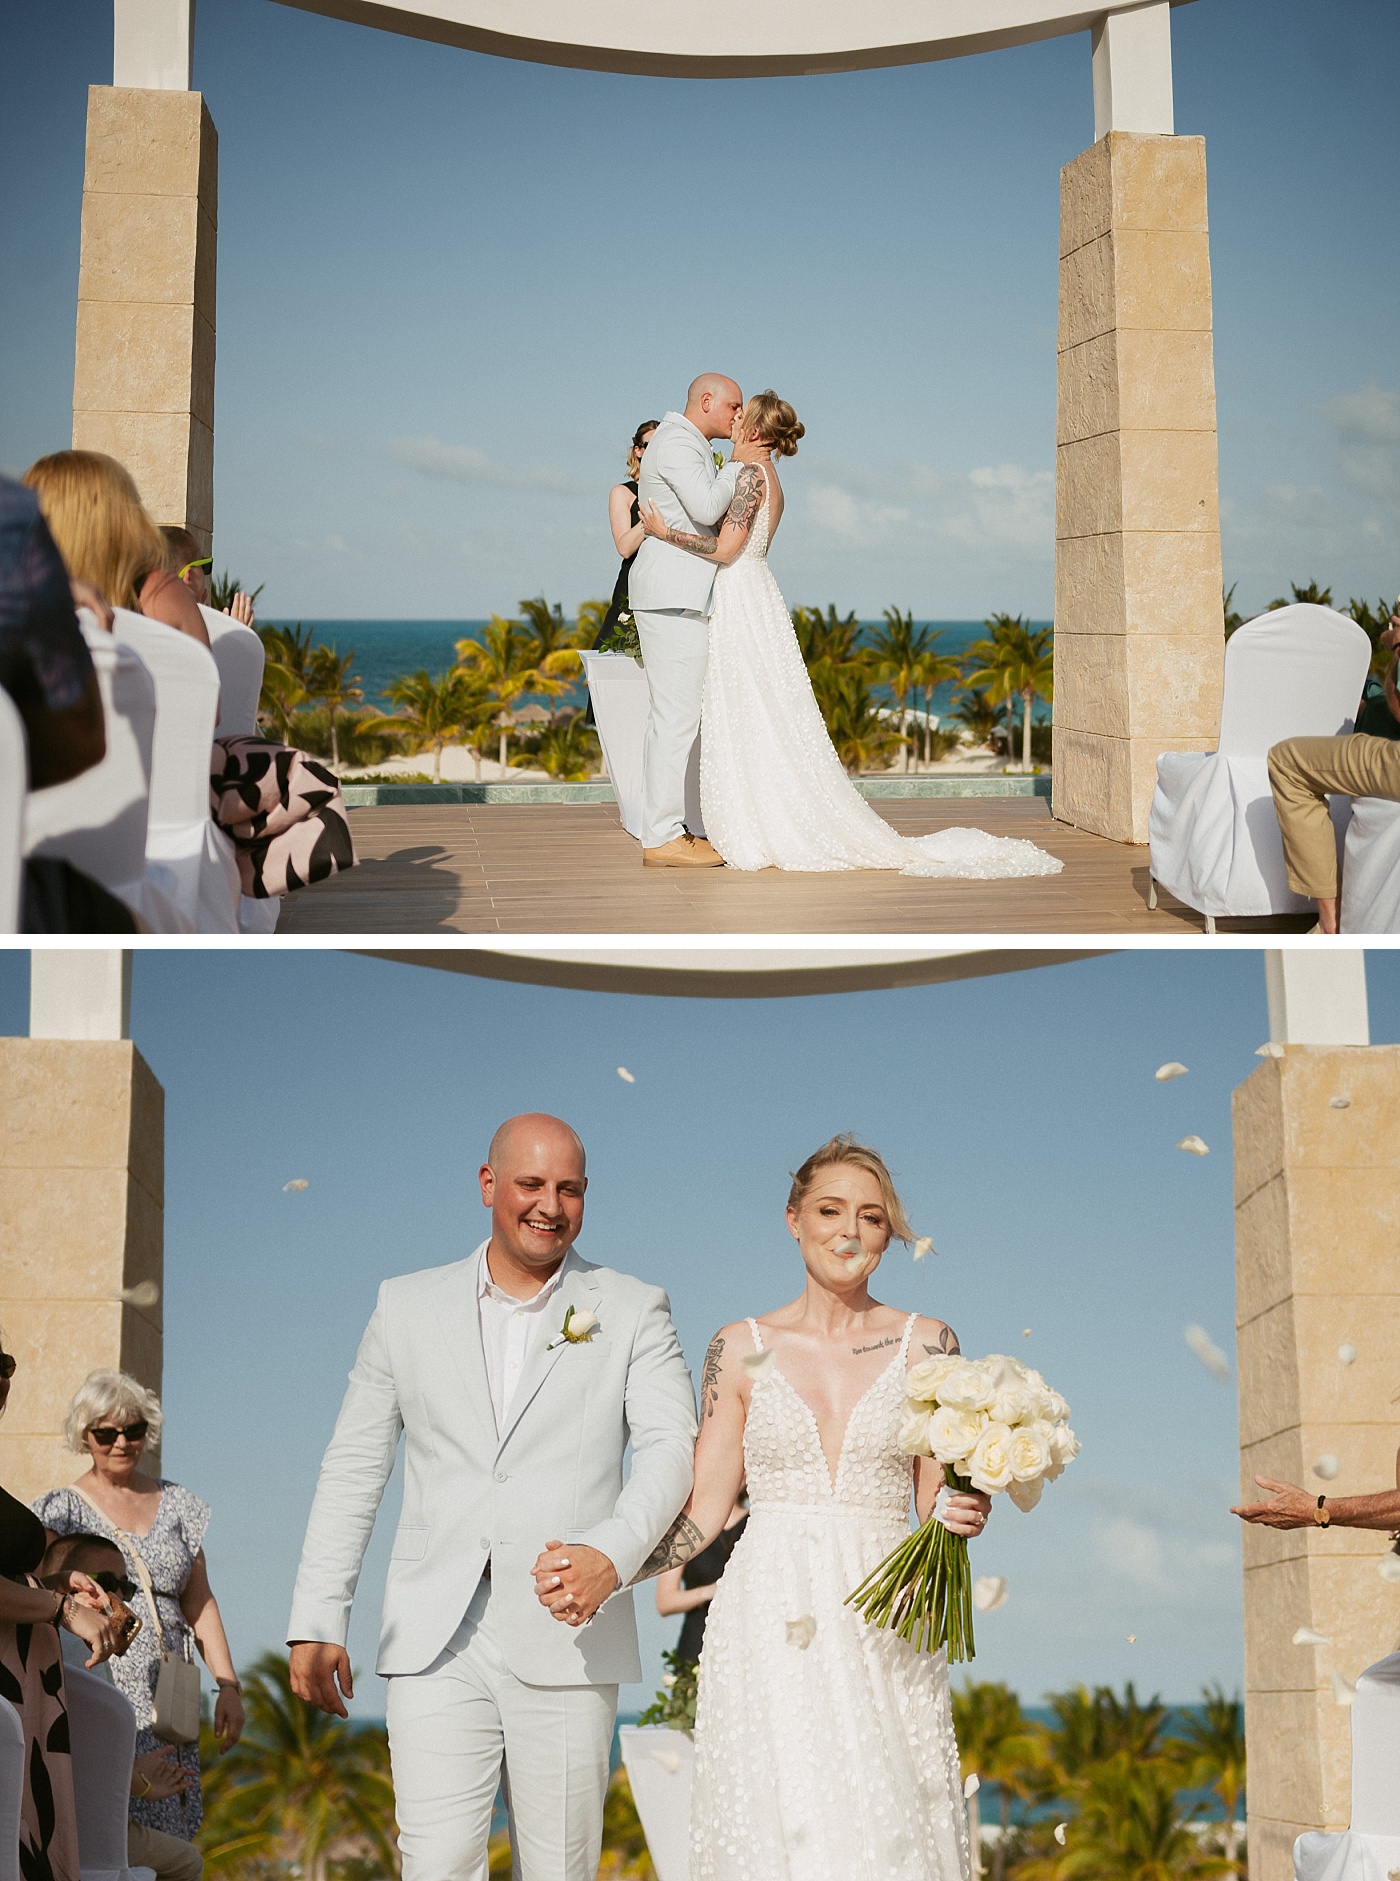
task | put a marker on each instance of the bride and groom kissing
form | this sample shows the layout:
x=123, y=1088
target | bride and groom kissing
x=724, y=668
x=824, y=1747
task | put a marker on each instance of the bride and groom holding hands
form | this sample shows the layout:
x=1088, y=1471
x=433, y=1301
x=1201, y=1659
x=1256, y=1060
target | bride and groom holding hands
x=519, y=1377
x=720, y=653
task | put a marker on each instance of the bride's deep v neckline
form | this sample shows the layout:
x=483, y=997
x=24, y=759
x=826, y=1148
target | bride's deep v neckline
x=833, y=1477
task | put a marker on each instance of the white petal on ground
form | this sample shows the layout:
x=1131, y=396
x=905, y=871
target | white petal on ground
x=1339, y=1103
x=1346, y=1354
x=923, y=1246
x=1194, y=1146
x=295, y=1186
x=1165, y=1073
x=1309, y=1636
x=758, y=1364
x=972, y=1785
x=144, y=1293
x=801, y=1633
x=1207, y=1351
x=1388, y=1567
x=1343, y=1691
x=1271, y=1050
x=1061, y=1830
x=989, y=1592
x=668, y=1758
x=625, y=1075
x=1328, y=1467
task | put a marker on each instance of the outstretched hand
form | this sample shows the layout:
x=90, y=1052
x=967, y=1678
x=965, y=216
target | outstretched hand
x=1289, y=1506
x=320, y=1673
x=574, y=1582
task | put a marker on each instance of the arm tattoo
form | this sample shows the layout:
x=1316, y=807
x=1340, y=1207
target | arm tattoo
x=749, y=492
x=681, y=1540
x=947, y=1344
x=697, y=545
x=709, y=1377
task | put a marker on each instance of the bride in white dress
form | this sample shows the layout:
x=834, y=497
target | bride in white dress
x=824, y=1747
x=773, y=792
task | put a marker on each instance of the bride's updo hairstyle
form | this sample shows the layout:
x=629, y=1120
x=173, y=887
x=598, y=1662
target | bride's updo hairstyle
x=778, y=425
x=845, y=1149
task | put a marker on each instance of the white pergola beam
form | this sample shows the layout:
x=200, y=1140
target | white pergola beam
x=1133, y=71
x=80, y=993
x=1317, y=996
x=153, y=44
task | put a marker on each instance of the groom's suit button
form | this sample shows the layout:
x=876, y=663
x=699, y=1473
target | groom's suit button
x=486, y=1543
x=500, y=1476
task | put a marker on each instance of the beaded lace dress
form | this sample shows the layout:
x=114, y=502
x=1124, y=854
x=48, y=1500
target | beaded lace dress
x=773, y=792
x=833, y=1760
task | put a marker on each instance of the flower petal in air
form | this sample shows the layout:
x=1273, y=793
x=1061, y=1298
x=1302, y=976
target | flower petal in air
x=801, y=1633
x=295, y=1186
x=989, y=1592
x=924, y=1245
x=1207, y=1351
x=144, y=1293
x=625, y=1075
x=1339, y=1103
x=1132, y=1639
x=1343, y=1691
x=1346, y=1354
x=1309, y=1636
x=1194, y=1146
x=1061, y=1830
x=1328, y=1467
x=972, y=1785
x=758, y=1364
x=1165, y=1073
x=1271, y=1050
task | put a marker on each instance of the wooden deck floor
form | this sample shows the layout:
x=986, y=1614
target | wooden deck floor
x=570, y=869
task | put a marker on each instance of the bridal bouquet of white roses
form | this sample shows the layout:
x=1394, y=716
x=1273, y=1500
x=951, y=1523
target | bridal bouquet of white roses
x=994, y=1424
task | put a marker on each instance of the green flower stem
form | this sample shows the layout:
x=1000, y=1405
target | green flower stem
x=923, y=1590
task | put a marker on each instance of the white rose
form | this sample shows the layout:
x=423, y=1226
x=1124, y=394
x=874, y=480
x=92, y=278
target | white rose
x=989, y=1466
x=1030, y=1454
x=1055, y=1408
x=953, y=1434
x=1012, y=1403
x=967, y=1387
x=924, y=1379
x=1026, y=1495
x=1064, y=1448
x=913, y=1433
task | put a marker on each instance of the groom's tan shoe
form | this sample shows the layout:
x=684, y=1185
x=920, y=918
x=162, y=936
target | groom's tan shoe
x=683, y=852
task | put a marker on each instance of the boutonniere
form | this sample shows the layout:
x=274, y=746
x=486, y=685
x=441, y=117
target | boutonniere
x=719, y=459
x=578, y=1328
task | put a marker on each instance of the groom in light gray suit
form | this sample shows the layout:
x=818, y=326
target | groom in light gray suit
x=670, y=593
x=517, y=1377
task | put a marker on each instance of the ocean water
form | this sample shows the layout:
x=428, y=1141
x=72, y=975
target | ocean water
x=384, y=649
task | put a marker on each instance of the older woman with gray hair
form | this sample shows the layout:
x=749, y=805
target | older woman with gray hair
x=159, y=1527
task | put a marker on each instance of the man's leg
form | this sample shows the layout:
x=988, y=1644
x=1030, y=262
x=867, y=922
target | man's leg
x=173, y=1858
x=445, y=1744
x=675, y=649
x=1303, y=772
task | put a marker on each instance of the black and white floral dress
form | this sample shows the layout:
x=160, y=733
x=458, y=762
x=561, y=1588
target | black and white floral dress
x=168, y=1550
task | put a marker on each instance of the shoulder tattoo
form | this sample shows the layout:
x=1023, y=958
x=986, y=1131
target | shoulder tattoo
x=709, y=1377
x=946, y=1345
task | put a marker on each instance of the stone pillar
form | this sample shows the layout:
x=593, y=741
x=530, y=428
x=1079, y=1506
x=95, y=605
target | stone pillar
x=1139, y=634
x=1317, y=1239
x=82, y=1186
x=143, y=385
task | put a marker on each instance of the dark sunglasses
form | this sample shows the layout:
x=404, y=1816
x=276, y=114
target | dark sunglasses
x=111, y=1583
x=7, y=1365
x=105, y=1435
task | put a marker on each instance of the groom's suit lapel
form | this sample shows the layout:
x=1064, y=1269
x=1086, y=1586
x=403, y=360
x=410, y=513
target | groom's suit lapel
x=577, y=1288
x=459, y=1323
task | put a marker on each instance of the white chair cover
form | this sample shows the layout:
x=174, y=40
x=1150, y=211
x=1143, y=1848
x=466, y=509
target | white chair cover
x=621, y=703
x=1294, y=673
x=11, y=1776
x=1370, y=1849
x=238, y=654
x=1371, y=868
x=660, y=1763
x=14, y=784
x=188, y=860
x=102, y=1731
x=97, y=821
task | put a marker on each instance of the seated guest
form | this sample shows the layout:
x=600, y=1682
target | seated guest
x=156, y=1774
x=1304, y=771
x=193, y=569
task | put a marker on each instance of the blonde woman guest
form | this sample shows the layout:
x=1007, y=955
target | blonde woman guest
x=160, y=1526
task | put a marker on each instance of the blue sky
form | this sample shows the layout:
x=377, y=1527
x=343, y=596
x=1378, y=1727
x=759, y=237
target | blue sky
x=1030, y=1140
x=450, y=286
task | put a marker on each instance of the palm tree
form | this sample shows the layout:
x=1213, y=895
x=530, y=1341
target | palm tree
x=568, y=750
x=1213, y=1743
x=1320, y=597
x=978, y=713
x=1017, y=663
x=826, y=639
x=434, y=712
x=297, y=1783
x=894, y=652
x=287, y=652
x=1233, y=617
x=509, y=662
x=1130, y=1828
x=222, y=589
x=861, y=736
x=1002, y=1746
x=329, y=679
x=932, y=669
x=1092, y=1727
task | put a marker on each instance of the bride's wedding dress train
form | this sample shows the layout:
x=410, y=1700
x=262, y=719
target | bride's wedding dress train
x=773, y=792
x=824, y=1747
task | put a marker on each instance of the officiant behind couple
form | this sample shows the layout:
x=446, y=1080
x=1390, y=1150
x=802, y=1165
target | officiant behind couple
x=723, y=666
x=519, y=1378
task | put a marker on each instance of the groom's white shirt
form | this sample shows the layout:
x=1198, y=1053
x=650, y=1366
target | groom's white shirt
x=473, y=1493
x=679, y=476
